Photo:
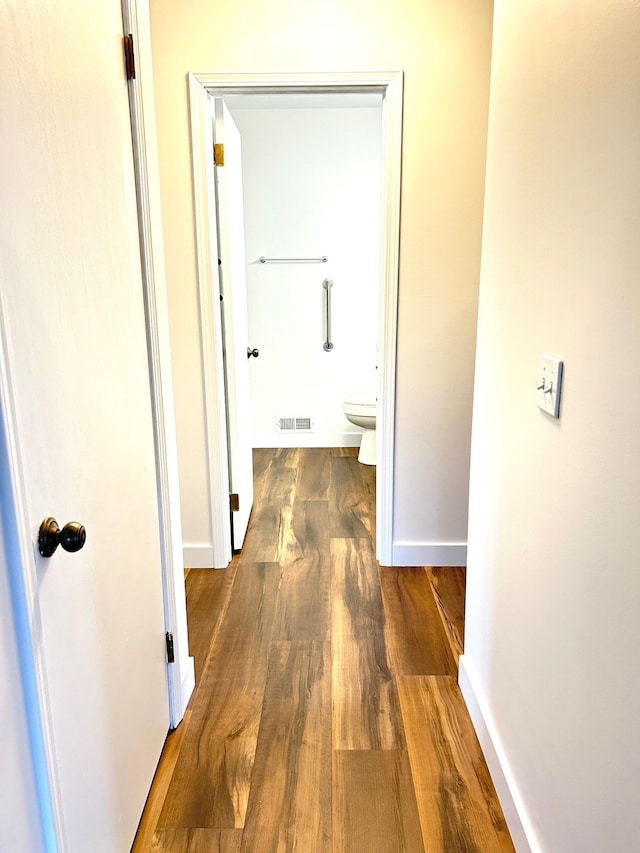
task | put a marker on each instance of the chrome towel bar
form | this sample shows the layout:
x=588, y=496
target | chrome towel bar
x=322, y=260
x=327, y=285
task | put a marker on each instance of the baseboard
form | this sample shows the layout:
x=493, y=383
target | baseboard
x=514, y=811
x=186, y=687
x=307, y=439
x=199, y=557
x=429, y=554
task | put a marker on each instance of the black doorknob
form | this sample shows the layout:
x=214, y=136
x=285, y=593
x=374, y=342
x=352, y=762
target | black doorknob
x=72, y=536
x=255, y=352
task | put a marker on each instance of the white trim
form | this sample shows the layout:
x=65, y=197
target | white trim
x=254, y=82
x=390, y=270
x=307, y=439
x=183, y=690
x=210, y=322
x=390, y=84
x=198, y=556
x=513, y=807
x=429, y=554
x=181, y=672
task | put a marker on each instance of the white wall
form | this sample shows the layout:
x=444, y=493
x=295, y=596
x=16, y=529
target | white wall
x=552, y=630
x=311, y=188
x=444, y=48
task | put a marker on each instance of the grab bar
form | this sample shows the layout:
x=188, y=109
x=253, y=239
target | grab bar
x=322, y=260
x=327, y=284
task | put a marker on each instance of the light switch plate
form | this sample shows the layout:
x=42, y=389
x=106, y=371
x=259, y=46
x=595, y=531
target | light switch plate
x=550, y=385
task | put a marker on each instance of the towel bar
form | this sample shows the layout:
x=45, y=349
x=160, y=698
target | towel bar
x=322, y=260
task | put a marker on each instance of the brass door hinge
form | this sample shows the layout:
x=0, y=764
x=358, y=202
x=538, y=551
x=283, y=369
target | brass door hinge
x=218, y=154
x=234, y=502
x=129, y=57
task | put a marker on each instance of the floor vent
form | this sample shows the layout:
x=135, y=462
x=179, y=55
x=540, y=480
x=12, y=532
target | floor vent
x=294, y=425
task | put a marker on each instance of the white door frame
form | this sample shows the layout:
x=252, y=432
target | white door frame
x=233, y=277
x=181, y=673
x=390, y=85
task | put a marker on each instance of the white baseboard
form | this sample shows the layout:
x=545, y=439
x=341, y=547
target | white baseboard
x=429, y=554
x=514, y=811
x=199, y=557
x=186, y=687
x=307, y=439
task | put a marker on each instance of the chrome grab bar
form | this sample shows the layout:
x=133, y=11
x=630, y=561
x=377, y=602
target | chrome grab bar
x=322, y=260
x=328, y=284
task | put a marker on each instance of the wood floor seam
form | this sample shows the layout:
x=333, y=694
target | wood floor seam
x=326, y=716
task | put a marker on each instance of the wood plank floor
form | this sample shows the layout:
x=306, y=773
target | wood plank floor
x=326, y=716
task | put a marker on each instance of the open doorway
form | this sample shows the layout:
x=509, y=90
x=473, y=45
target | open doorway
x=388, y=86
x=311, y=167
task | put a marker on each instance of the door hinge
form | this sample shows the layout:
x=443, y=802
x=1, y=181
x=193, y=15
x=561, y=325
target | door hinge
x=171, y=655
x=234, y=502
x=218, y=154
x=129, y=57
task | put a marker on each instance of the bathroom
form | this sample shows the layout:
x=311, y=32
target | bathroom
x=312, y=190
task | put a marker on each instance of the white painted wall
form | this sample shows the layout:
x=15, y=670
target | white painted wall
x=553, y=631
x=311, y=188
x=444, y=48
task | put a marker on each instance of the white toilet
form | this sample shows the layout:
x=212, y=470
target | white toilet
x=360, y=409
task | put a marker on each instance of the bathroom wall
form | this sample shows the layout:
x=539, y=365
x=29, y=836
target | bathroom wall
x=444, y=48
x=311, y=188
x=552, y=627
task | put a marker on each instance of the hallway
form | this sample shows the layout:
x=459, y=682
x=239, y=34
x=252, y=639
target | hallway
x=326, y=715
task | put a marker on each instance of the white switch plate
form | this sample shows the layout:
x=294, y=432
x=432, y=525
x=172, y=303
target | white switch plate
x=550, y=376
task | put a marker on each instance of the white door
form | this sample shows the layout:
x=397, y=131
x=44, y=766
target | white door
x=233, y=289
x=76, y=403
x=19, y=824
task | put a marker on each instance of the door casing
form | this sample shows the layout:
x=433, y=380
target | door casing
x=181, y=672
x=389, y=83
x=233, y=278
